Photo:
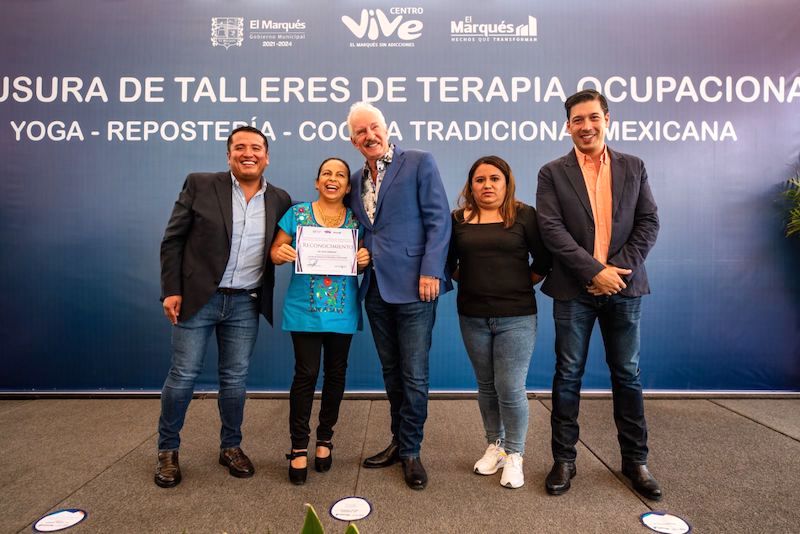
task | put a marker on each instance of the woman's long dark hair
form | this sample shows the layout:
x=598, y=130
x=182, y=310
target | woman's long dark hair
x=466, y=200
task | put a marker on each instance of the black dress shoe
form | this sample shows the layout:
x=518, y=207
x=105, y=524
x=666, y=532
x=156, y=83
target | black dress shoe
x=324, y=464
x=237, y=462
x=643, y=482
x=557, y=481
x=414, y=473
x=168, y=471
x=389, y=456
x=297, y=475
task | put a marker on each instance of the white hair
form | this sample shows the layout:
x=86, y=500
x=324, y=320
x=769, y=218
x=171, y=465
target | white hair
x=364, y=106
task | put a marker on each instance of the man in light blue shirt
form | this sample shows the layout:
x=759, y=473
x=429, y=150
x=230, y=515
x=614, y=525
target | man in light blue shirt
x=216, y=278
x=246, y=260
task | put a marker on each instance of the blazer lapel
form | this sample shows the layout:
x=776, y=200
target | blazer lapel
x=271, y=216
x=619, y=177
x=224, y=189
x=575, y=176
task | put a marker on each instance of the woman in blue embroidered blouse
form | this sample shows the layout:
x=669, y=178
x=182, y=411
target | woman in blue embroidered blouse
x=322, y=312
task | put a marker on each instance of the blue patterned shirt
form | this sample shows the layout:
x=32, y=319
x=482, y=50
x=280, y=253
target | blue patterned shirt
x=370, y=190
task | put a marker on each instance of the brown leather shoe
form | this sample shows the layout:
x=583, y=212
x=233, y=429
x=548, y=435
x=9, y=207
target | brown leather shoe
x=168, y=471
x=237, y=462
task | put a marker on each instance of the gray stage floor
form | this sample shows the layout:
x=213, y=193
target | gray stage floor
x=726, y=465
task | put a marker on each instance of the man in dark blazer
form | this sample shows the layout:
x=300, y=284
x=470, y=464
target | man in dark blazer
x=399, y=198
x=216, y=277
x=599, y=219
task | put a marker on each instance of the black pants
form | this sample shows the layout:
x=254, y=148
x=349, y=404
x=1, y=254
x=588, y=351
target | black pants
x=307, y=347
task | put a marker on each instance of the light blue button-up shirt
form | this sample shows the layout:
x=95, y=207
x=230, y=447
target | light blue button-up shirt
x=246, y=260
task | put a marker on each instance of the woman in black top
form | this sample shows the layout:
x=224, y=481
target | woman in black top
x=494, y=236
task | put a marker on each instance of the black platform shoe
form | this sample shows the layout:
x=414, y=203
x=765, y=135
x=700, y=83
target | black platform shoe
x=324, y=464
x=297, y=476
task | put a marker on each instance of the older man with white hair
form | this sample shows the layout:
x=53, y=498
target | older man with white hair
x=399, y=198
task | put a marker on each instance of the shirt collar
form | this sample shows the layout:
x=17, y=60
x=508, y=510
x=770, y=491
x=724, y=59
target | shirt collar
x=583, y=159
x=382, y=162
x=237, y=186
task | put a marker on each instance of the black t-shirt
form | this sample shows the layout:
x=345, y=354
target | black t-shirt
x=494, y=266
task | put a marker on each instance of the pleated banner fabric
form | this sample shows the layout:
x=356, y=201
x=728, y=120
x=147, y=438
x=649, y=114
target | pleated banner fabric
x=105, y=107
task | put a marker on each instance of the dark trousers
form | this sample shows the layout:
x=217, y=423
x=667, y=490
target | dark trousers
x=402, y=334
x=307, y=355
x=619, y=319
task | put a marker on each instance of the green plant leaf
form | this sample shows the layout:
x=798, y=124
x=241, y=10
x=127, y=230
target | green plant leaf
x=312, y=524
x=792, y=195
x=351, y=529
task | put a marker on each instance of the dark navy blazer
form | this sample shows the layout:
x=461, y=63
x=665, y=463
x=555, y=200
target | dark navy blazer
x=567, y=225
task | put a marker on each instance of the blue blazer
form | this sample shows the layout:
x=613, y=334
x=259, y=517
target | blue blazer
x=411, y=233
x=567, y=225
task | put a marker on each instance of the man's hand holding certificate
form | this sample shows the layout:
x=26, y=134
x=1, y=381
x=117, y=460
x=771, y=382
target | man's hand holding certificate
x=330, y=251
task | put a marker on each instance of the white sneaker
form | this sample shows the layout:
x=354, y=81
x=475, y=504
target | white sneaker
x=512, y=472
x=493, y=459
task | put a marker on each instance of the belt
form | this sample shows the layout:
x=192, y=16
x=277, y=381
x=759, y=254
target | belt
x=236, y=290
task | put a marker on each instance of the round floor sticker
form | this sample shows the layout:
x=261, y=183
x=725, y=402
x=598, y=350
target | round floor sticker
x=665, y=523
x=59, y=520
x=351, y=509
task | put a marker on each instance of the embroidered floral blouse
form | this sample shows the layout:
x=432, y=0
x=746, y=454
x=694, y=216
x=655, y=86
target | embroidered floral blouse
x=319, y=303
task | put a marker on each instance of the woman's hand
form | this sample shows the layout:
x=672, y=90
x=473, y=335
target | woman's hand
x=283, y=253
x=281, y=250
x=362, y=259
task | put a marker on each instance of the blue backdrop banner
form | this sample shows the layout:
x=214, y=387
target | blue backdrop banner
x=106, y=106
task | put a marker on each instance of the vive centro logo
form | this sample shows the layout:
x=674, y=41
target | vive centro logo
x=469, y=31
x=374, y=28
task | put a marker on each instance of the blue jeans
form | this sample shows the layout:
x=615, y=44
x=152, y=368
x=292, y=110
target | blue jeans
x=235, y=320
x=402, y=334
x=500, y=349
x=619, y=318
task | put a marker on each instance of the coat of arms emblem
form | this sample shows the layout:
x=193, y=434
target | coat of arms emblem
x=227, y=31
